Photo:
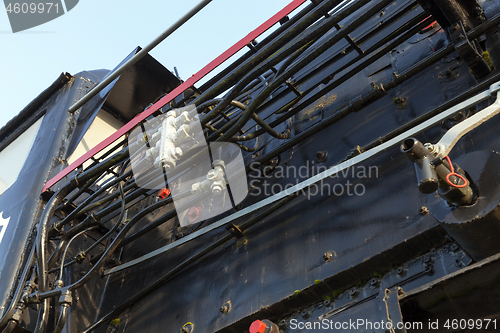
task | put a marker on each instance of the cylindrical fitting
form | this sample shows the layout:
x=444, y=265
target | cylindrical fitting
x=263, y=326
x=414, y=149
x=427, y=178
x=427, y=174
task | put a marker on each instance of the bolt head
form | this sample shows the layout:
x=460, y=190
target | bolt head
x=195, y=187
x=17, y=315
x=327, y=256
x=171, y=113
x=212, y=175
x=176, y=153
x=321, y=155
x=219, y=163
x=216, y=188
x=424, y=210
x=169, y=166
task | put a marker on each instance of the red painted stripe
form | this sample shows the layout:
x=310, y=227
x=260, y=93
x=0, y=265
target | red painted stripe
x=177, y=91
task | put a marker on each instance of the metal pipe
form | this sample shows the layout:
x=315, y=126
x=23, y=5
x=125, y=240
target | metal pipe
x=41, y=246
x=97, y=160
x=348, y=75
x=17, y=295
x=43, y=230
x=258, y=120
x=89, y=222
x=335, y=117
x=74, y=213
x=490, y=24
x=363, y=39
x=359, y=41
x=10, y=326
x=362, y=102
x=67, y=246
x=84, y=188
x=165, y=278
x=62, y=318
x=114, y=245
x=56, y=292
x=138, y=56
x=410, y=25
x=426, y=116
x=113, y=229
x=286, y=37
x=251, y=69
x=144, y=230
x=307, y=59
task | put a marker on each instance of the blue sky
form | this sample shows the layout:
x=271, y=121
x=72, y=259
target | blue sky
x=99, y=34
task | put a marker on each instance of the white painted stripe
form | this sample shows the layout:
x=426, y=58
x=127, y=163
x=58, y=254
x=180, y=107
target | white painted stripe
x=323, y=175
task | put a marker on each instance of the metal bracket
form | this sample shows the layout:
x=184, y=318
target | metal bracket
x=235, y=231
x=450, y=138
x=468, y=51
x=391, y=299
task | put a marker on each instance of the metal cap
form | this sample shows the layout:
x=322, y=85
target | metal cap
x=258, y=327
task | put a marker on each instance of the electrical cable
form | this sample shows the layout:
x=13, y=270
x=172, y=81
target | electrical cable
x=340, y=114
x=62, y=318
x=453, y=173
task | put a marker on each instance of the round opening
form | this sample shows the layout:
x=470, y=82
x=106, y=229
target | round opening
x=407, y=145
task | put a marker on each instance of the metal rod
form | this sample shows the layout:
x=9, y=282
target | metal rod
x=138, y=56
